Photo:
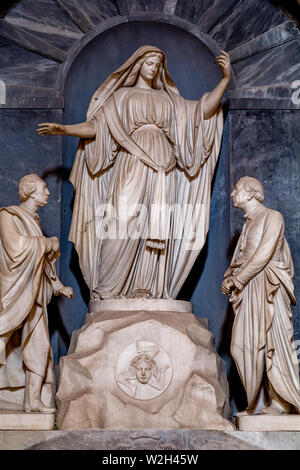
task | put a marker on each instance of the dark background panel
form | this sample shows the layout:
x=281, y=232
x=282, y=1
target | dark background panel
x=265, y=144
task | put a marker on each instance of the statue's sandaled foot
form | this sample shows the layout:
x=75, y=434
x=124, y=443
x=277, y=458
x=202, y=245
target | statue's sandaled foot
x=272, y=410
x=38, y=407
x=243, y=413
x=141, y=294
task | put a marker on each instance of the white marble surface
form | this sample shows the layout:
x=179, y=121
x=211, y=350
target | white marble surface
x=268, y=423
x=18, y=420
x=158, y=305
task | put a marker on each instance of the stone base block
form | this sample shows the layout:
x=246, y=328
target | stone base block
x=145, y=439
x=137, y=369
x=152, y=305
x=268, y=423
x=18, y=420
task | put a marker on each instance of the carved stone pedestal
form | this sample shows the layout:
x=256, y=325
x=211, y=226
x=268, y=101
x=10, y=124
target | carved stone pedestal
x=268, y=423
x=139, y=364
x=18, y=420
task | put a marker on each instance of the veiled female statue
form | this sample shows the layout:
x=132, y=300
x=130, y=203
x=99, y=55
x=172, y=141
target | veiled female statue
x=142, y=179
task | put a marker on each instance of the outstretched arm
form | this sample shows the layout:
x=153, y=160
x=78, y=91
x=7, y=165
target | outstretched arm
x=214, y=98
x=85, y=130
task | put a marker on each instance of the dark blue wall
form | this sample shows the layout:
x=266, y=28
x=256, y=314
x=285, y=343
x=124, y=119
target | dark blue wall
x=22, y=151
x=270, y=153
x=192, y=66
x=265, y=144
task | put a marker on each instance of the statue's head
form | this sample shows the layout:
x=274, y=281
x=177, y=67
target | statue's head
x=150, y=66
x=141, y=61
x=143, y=366
x=32, y=186
x=246, y=189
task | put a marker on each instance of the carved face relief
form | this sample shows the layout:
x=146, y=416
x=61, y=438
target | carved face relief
x=143, y=366
x=139, y=375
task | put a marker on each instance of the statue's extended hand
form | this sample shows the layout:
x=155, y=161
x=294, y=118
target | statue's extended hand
x=50, y=128
x=227, y=286
x=223, y=61
x=52, y=245
x=66, y=291
x=52, y=250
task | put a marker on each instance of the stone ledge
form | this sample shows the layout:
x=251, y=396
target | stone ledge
x=17, y=96
x=262, y=103
x=21, y=421
x=153, y=305
x=274, y=37
x=148, y=440
x=268, y=423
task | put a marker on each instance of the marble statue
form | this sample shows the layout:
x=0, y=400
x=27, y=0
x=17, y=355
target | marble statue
x=27, y=281
x=142, y=178
x=259, y=284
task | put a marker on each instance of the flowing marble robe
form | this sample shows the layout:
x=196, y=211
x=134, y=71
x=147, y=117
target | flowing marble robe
x=152, y=149
x=27, y=281
x=262, y=335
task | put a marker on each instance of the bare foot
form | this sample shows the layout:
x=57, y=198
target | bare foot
x=243, y=413
x=271, y=410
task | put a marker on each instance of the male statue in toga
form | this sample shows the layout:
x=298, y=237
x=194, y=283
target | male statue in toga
x=27, y=281
x=259, y=284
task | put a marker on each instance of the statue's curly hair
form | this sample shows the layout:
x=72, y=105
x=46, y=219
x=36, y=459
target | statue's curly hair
x=27, y=186
x=144, y=357
x=252, y=185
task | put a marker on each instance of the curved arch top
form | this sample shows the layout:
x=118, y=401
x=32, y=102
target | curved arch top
x=186, y=26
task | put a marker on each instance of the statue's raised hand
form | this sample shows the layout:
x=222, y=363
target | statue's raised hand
x=50, y=128
x=223, y=61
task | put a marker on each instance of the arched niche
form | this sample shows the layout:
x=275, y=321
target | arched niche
x=192, y=65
